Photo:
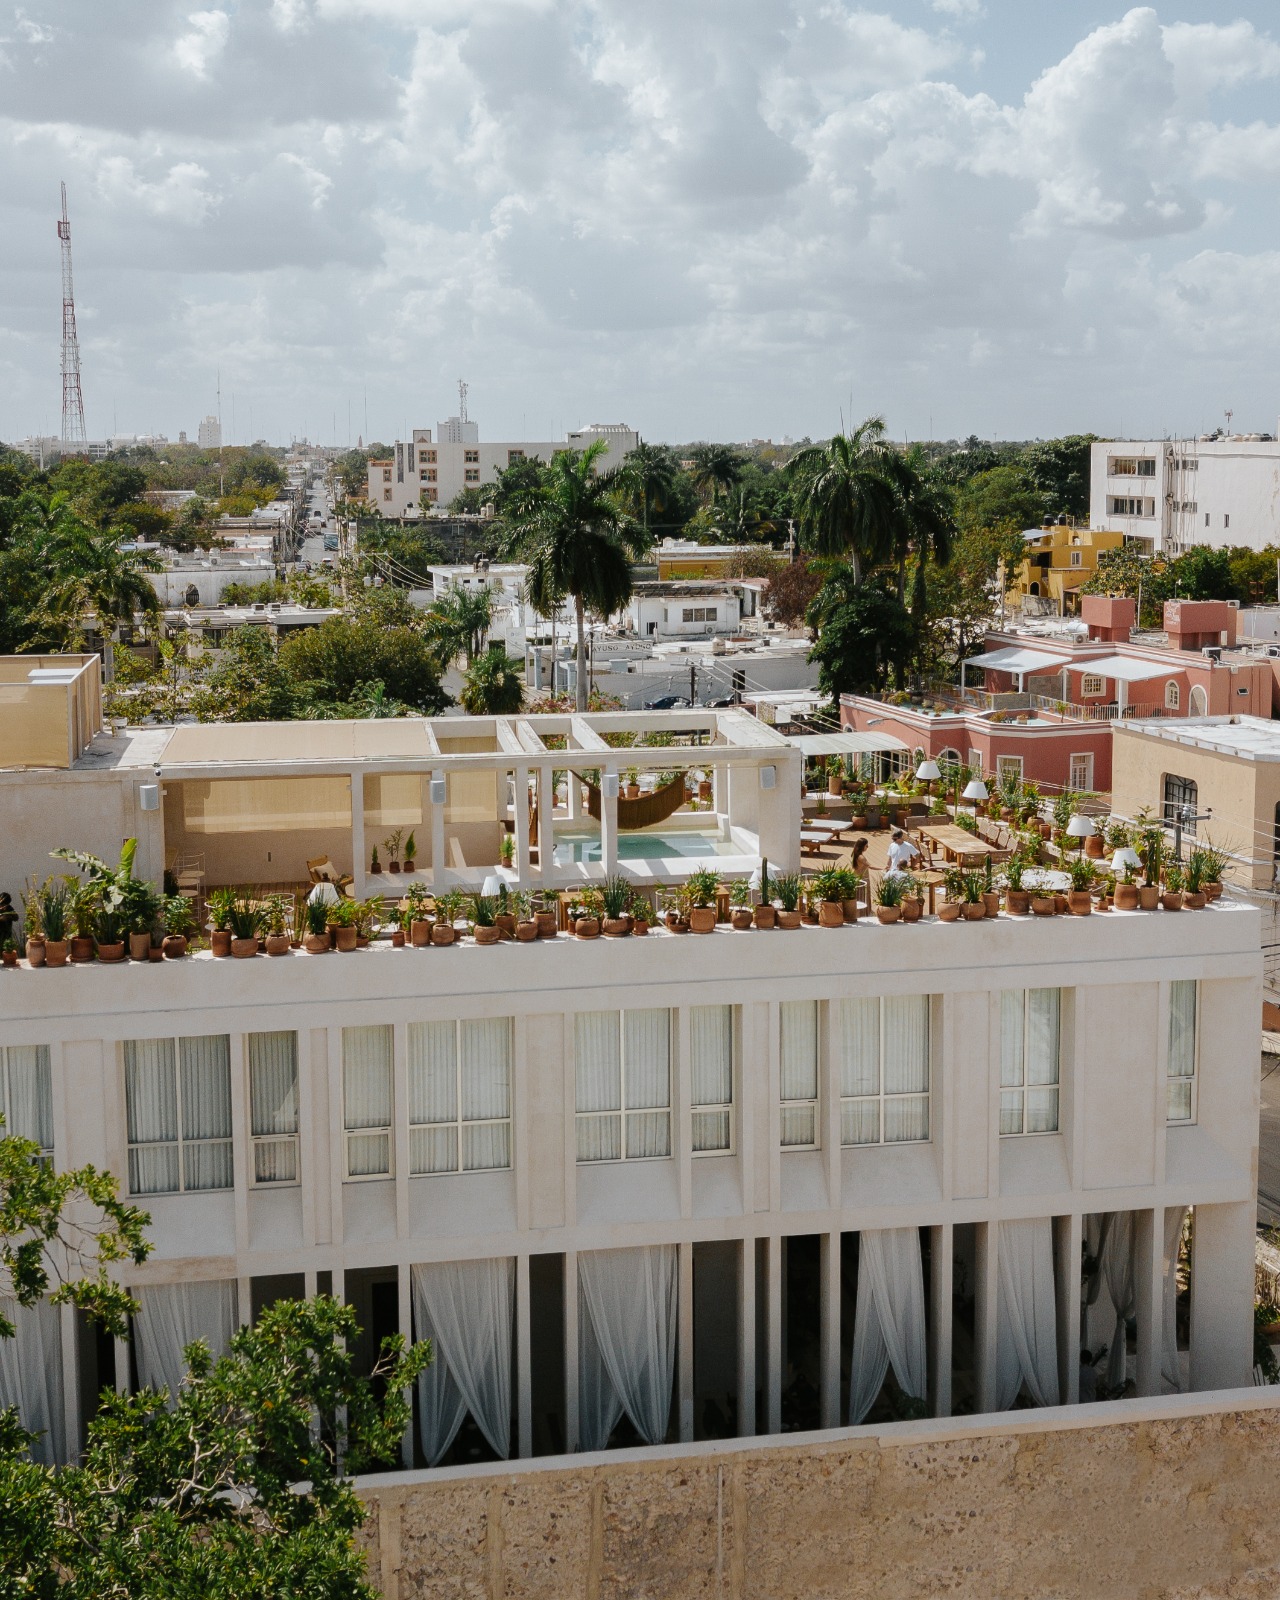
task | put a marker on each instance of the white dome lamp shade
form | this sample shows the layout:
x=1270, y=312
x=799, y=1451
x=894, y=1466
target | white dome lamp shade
x=976, y=791
x=1126, y=859
x=1080, y=828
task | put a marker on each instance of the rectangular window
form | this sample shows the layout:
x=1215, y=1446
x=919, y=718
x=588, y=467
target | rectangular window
x=514, y=455
x=1123, y=467
x=367, y=1095
x=1080, y=771
x=1183, y=998
x=1077, y=558
x=623, y=1070
x=699, y=613
x=428, y=475
x=1030, y=1033
x=1226, y=519
x=799, y=1085
x=26, y=1095
x=1091, y=683
x=711, y=1077
x=1147, y=467
x=1008, y=767
x=428, y=455
x=1206, y=519
x=178, y=1108
x=273, y=1106
x=472, y=475
x=882, y=1055
x=471, y=455
x=459, y=1095
x=386, y=474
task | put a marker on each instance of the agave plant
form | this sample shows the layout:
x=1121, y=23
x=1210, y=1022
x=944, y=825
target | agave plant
x=484, y=908
x=891, y=890
x=54, y=900
x=786, y=890
x=615, y=896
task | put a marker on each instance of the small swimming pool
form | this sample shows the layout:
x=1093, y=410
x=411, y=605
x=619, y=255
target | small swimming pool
x=687, y=843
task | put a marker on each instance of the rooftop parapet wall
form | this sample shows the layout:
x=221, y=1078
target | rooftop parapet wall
x=1166, y=1498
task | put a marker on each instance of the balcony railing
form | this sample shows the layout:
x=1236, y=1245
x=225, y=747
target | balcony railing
x=1073, y=712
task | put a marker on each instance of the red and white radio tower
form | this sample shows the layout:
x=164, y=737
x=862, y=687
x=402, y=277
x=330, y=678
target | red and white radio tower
x=73, y=433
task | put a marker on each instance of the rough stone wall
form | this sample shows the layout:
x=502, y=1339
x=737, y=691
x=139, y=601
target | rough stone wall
x=1143, y=1505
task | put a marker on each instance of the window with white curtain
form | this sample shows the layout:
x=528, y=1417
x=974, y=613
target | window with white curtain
x=26, y=1095
x=623, y=1071
x=1030, y=1038
x=178, y=1109
x=799, y=1079
x=368, y=1091
x=273, y=1106
x=711, y=1078
x=883, y=1055
x=1183, y=1005
x=459, y=1095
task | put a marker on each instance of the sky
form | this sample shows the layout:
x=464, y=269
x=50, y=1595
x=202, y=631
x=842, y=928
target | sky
x=723, y=219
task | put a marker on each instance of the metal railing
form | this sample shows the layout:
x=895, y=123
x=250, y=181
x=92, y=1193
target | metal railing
x=1074, y=712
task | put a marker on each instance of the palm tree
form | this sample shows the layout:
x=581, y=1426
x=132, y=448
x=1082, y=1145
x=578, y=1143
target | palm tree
x=96, y=575
x=923, y=520
x=459, y=621
x=716, y=468
x=541, y=593
x=575, y=531
x=844, y=499
x=494, y=686
x=647, y=477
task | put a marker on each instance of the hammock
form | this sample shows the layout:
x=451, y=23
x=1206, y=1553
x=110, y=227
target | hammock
x=645, y=811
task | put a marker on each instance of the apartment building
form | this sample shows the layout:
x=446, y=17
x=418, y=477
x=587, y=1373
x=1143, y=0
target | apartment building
x=1175, y=493
x=673, y=1187
x=422, y=474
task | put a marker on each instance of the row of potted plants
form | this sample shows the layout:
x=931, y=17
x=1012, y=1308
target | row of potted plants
x=101, y=911
x=392, y=845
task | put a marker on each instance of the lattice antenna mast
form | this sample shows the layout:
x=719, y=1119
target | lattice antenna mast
x=462, y=401
x=73, y=432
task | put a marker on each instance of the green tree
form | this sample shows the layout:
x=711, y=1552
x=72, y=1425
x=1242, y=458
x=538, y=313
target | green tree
x=716, y=468
x=844, y=501
x=647, y=480
x=864, y=632
x=1148, y=579
x=923, y=524
x=97, y=576
x=247, y=682
x=1204, y=573
x=1059, y=470
x=999, y=495
x=494, y=685
x=332, y=662
x=468, y=502
x=458, y=622
x=574, y=528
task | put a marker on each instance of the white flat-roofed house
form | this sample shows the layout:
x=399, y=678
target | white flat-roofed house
x=1176, y=493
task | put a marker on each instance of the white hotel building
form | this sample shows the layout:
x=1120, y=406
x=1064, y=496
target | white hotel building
x=674, y=1187
x=1175, y=493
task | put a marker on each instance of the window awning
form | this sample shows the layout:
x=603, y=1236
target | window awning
x=845, y=744
x=1127, y=669
x=1017, y=659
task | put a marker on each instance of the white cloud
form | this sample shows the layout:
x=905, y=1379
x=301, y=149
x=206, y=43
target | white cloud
x=197, y=50
x=962, y=10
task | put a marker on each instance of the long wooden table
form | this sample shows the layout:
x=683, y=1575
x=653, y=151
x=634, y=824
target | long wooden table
x=959, y=846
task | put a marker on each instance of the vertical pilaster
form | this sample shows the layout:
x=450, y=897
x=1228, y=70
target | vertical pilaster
x=684, y=1342
x=608, y=832
x=1222, y=1296
x=571, y=1429
x=358, y=852
x=747, y=1339
x=524, y=1361
x=70, y=1382
x=400, y=1124
x=829, y=1338
x=404, y=1321
x=521, y=820
x=439, y=866
x=984, y=1316
x=546, y=825
x=1148, y=1295
x=1068, y=1236
x=773, y=1337
x=941, y=1289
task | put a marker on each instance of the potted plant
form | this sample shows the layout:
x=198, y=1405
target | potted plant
x=275, y=917
x=1171, y=899
x=410, y=852
x=973, y=888
x=179, y=924
x=912, y=903
x=32, y=929
x=641, y=913
x=484, y=910
x=544, y=914
x=1194, y=897
x=857, y=794
x=615, y=897
x=244, y=923
x=765, y=914
x=786, y=892
x=631, y=784
x=368, y=914
x=55, y=916
x=1017, y=900
x=9, y=953
x=391, y=844
x=109, y=932
x=835, y=777
x=448, y=908
x=827, y=888
x=316, y=940
x=375, y=866
x=675, y=908
x=218, y=903
x=585, y=916
x=889, y=897
x=1215, y=864
x=740, y=914
x=1126, y=892
x=1095, y=844
x=84, y=912
x=1080, y=896
x=341, y=918
x=507, y=849
x=141, y=903
x=521, y=904
x=702, y=885
x=416, y=920
x=1151, y=849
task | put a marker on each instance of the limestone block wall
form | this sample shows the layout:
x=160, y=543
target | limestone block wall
x=1163, y=1499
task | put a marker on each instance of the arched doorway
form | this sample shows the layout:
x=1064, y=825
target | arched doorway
x=1198, y=702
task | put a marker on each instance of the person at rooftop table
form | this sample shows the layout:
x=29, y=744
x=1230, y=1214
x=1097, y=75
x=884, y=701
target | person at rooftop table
x=902, y=853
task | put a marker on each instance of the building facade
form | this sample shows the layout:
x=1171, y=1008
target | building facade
x=1176, y=493
x=209, y=434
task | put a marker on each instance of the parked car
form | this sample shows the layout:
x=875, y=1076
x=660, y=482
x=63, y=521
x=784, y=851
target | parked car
x=723, y=704
x=667, y=702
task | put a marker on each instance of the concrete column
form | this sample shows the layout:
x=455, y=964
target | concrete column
x=1148, y=1294
x=574, y=785
x=70, y=1382
x=546, y=825
x=684, y=1342
x=359, y=864
x=244, y=1300
x=400, y=1125
x=524, y=1386
x=521, y=820
x=122, y=1366
x=984, y=1316
x=309, y=1285
x=439, y=866
x=829, y=1337
x=773, y=1337
x=241, y=1143
x=404, y=1321
x=941, y=1289
x=681, y=1103
x=571, y=1350
x=609, y=833
x=1068, y=1235
x=1222, y=1242
x=747, y=1339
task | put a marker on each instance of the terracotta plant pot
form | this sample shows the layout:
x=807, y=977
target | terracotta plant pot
x=36, y=952
x=81, y=947
x=140, y=946
x=1194, y=902
x=410, y=864
x=704, y=790
x=317, y=944
x=242, y=949
x=506, y=923
x=1148, y=896
x=764, y=916
x=615, y=927
x=1171, y=902
x=156, y=953
x=420, y=932
x=55, y=952
x=859, y=822
x=1060, y=904
x=487, y=935
x=9, y=958
x=852, y=909
x=835, y=786
x=949, y=911
x=1126, y=897
x=1095, y=847
x=741, y=917
x=587, y=928
x=888, y=913
x=174, y=946
x=1079, y=902
x=526, y=931
x=393, y=866
x=1043, y=905
x=640, y=928
x=788, y=919
x=831, y=914
x=345, y=939
x=443, y=933
x=631, y=791
x=1212, y=891
x=375, y=867
x=702, y=919
x=111, y=952
x=810, y=915
x=220, y=941
x=397, y=938
x=546, y=921
x=912, y=909
x=991, y=900
x=1017, y=902
x=974, y=910
x=277, y=944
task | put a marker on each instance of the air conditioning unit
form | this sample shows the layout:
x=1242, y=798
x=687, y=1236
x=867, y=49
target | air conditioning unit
x=1213, y=652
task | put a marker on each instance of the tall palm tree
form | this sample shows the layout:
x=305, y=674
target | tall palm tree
x=494, y=685
x=575, y=529
x=94, y=574
x=647, y=478
x=844, y=499
x=716, y=468
x=458, y=623
x=923, y=521
x=541, y=593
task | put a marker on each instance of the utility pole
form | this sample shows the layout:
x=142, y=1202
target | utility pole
x=693, y=683
x=73, y=431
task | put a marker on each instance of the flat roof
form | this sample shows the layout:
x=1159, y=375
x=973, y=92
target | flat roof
x=849, y=743
x=1126, y=669
x=1248, y=738
x=1018, y=659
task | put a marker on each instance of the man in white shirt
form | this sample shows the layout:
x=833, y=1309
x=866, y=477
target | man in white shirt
x=902, y=853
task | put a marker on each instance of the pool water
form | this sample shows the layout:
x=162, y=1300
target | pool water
x=680, y=842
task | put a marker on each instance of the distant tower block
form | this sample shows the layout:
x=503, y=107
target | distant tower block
x=73, y=434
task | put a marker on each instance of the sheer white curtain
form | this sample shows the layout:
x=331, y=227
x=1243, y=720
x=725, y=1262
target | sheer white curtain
x=598, y=1066
x=273, y=1106
x=466, y=1309
x=433, y=1097
x=1117, y=1270
x=173, y=1315
x=906, y=1067
x=204, y=1088
x=855, y=1038
x=28, y=1093
x=626, y=1341
x=151, y=1105
x=1175, y=1218
x=711, y=1075
x=799, y=1075
x=367, y=1089
x=31, y=1375
x=1027, y=1317
x=646, y=1067
x=1182, y=1048
x=889, y=1326
x=485, y=1061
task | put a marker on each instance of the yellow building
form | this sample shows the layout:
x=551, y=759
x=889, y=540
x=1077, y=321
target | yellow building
x=1058, y=560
